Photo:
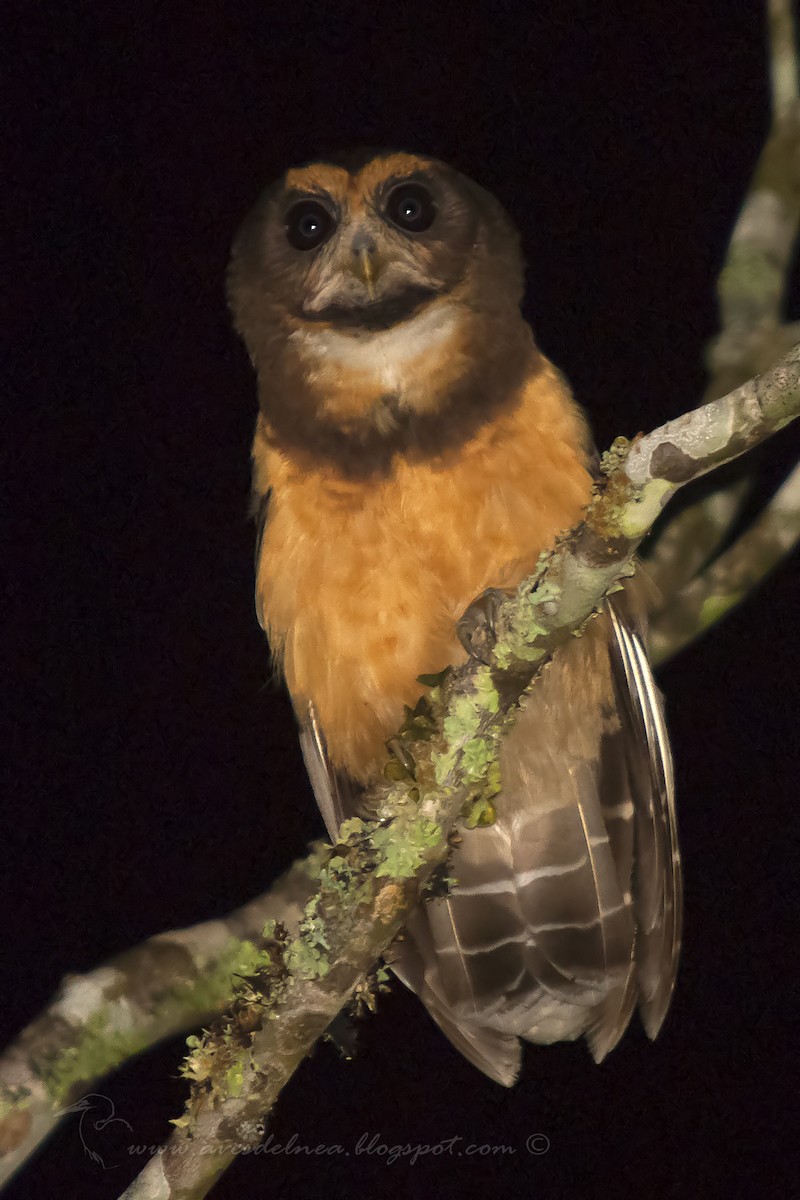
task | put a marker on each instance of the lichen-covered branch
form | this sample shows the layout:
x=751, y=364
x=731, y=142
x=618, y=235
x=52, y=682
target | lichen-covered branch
x=377, y=871
x=685, y=448
x=717, y=432
x=709, y=597
x=171, y=983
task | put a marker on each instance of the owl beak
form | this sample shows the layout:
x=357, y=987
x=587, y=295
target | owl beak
x=364, y=260
x=365, y=270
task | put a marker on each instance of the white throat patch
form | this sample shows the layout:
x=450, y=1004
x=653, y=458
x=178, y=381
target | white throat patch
x=387, y=355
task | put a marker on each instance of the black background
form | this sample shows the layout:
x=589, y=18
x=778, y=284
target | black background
x=155, y=778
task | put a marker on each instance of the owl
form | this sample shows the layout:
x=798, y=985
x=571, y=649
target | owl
x=415, y=451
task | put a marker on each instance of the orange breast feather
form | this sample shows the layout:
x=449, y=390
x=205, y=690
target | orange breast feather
x=361, y=582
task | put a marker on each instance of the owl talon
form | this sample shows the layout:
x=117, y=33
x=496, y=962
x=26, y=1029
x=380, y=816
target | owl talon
x=404, y=761
x=477, y=629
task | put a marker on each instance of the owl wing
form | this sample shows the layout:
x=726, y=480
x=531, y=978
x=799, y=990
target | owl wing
x=567, y=910
x=333, y=792
x=259, y=507
x=657, y=883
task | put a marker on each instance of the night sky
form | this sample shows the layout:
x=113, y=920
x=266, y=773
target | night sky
x=155, y=775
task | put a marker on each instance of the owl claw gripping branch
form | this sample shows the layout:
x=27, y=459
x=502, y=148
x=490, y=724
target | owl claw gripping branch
x=477, y=629
x=418, y=451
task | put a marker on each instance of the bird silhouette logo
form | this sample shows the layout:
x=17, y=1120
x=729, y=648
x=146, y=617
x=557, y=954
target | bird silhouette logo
x=103, y=1114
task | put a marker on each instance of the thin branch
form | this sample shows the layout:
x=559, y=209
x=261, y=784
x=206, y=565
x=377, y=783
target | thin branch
x=708, y=598
x=171, y=983
x=689, y=542
x=375, y=875
x=783, y=59
x=716, y=433
x=751, y=290
x=752, y=284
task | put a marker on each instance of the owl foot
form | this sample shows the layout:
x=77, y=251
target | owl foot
x=477, y=629
x=403, y=767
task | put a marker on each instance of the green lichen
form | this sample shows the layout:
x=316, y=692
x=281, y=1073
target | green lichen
x=338, y=878
x=210, y=989
x=217, y=1062
x=612, y=459
x=403, y=846
x=99, y=1049
x=245, y=958
x=463, y=719
x=353, y=827
x=518, y=642
x=480, y=812
x=475, y=758
x=306, y=954
x=218, y=1059
x=503, y=654
x=470, y=748
x=307, y=960
x=234, y=1078
x=14, y=1100
x=486, y=695
x=444, y=762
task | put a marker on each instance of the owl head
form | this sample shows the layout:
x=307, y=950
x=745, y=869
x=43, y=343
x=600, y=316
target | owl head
x=367, y=247
x=379, y=301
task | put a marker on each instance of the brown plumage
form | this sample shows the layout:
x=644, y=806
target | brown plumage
x=417, y=449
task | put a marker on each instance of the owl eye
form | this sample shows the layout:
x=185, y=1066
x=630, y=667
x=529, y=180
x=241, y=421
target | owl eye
x=411, y=208
x=308, y=224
